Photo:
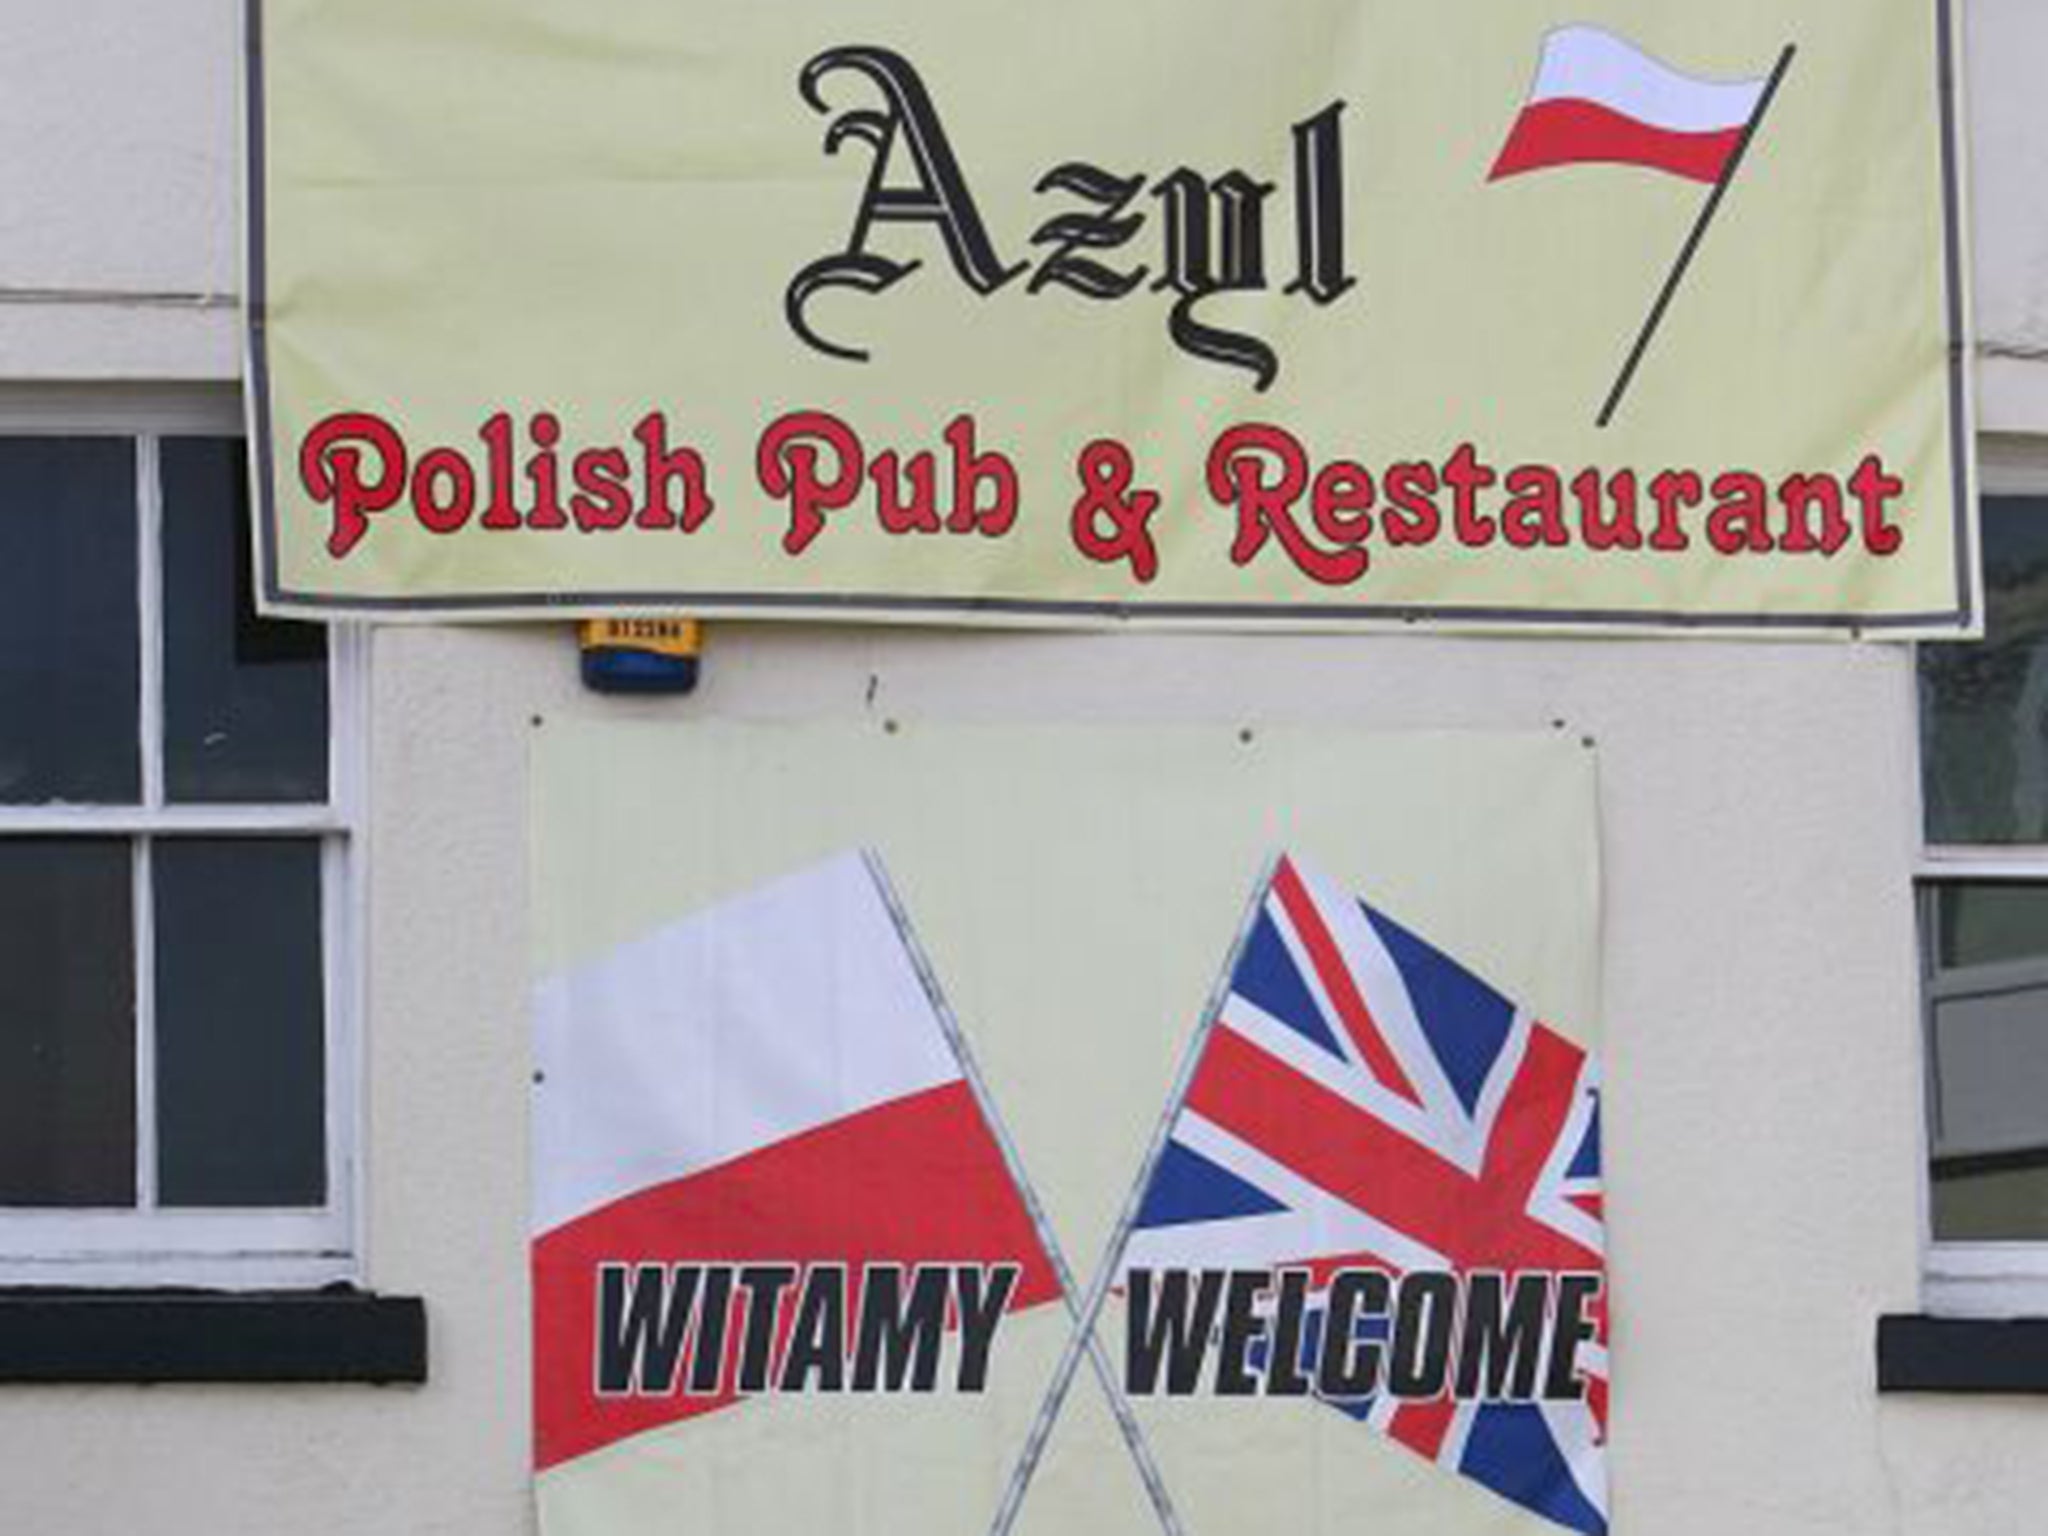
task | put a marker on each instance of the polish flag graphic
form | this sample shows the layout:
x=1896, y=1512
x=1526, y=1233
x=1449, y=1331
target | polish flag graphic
x=767, y=1088
x=1599, y=98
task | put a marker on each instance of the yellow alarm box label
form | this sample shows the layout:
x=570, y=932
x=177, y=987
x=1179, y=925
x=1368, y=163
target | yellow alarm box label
x=664, y=637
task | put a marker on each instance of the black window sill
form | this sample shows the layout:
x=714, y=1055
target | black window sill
x=1962, y=1354
x=335, y=1335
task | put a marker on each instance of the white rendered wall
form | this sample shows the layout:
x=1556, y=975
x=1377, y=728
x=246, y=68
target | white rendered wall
x=2007, y=50
x=1757, y=811
x=120, y=232
x=1759, y=829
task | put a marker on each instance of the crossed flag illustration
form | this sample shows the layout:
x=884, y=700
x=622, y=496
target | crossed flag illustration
x=1375, y=1186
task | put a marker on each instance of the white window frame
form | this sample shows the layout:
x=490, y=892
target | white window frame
x=1979, y=1279
x=223, y=1248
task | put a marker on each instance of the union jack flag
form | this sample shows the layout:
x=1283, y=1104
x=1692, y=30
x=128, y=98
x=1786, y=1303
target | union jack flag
x=1360, y=1100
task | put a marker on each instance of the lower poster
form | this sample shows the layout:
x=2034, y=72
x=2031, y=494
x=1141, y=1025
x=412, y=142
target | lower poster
x=1053, y=1129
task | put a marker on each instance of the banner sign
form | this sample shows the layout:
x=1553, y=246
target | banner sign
x=1396, y=312
x=870, y=1195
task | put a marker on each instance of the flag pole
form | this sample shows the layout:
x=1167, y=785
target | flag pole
x=956, y=1037
x=1083, y=1337
x=1699, y=231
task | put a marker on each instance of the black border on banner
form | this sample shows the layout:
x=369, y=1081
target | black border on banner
x=515, y=606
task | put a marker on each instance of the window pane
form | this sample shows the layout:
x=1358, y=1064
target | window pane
x=245, y=699
x=1988, y=1047
x=1984, y=706
x=239, y=1022
x=67, y=1022
x=1990, y=923
x=68, y=660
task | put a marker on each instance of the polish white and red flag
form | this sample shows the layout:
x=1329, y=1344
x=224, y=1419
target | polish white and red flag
x=766, y=1085
x=1599, y=98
